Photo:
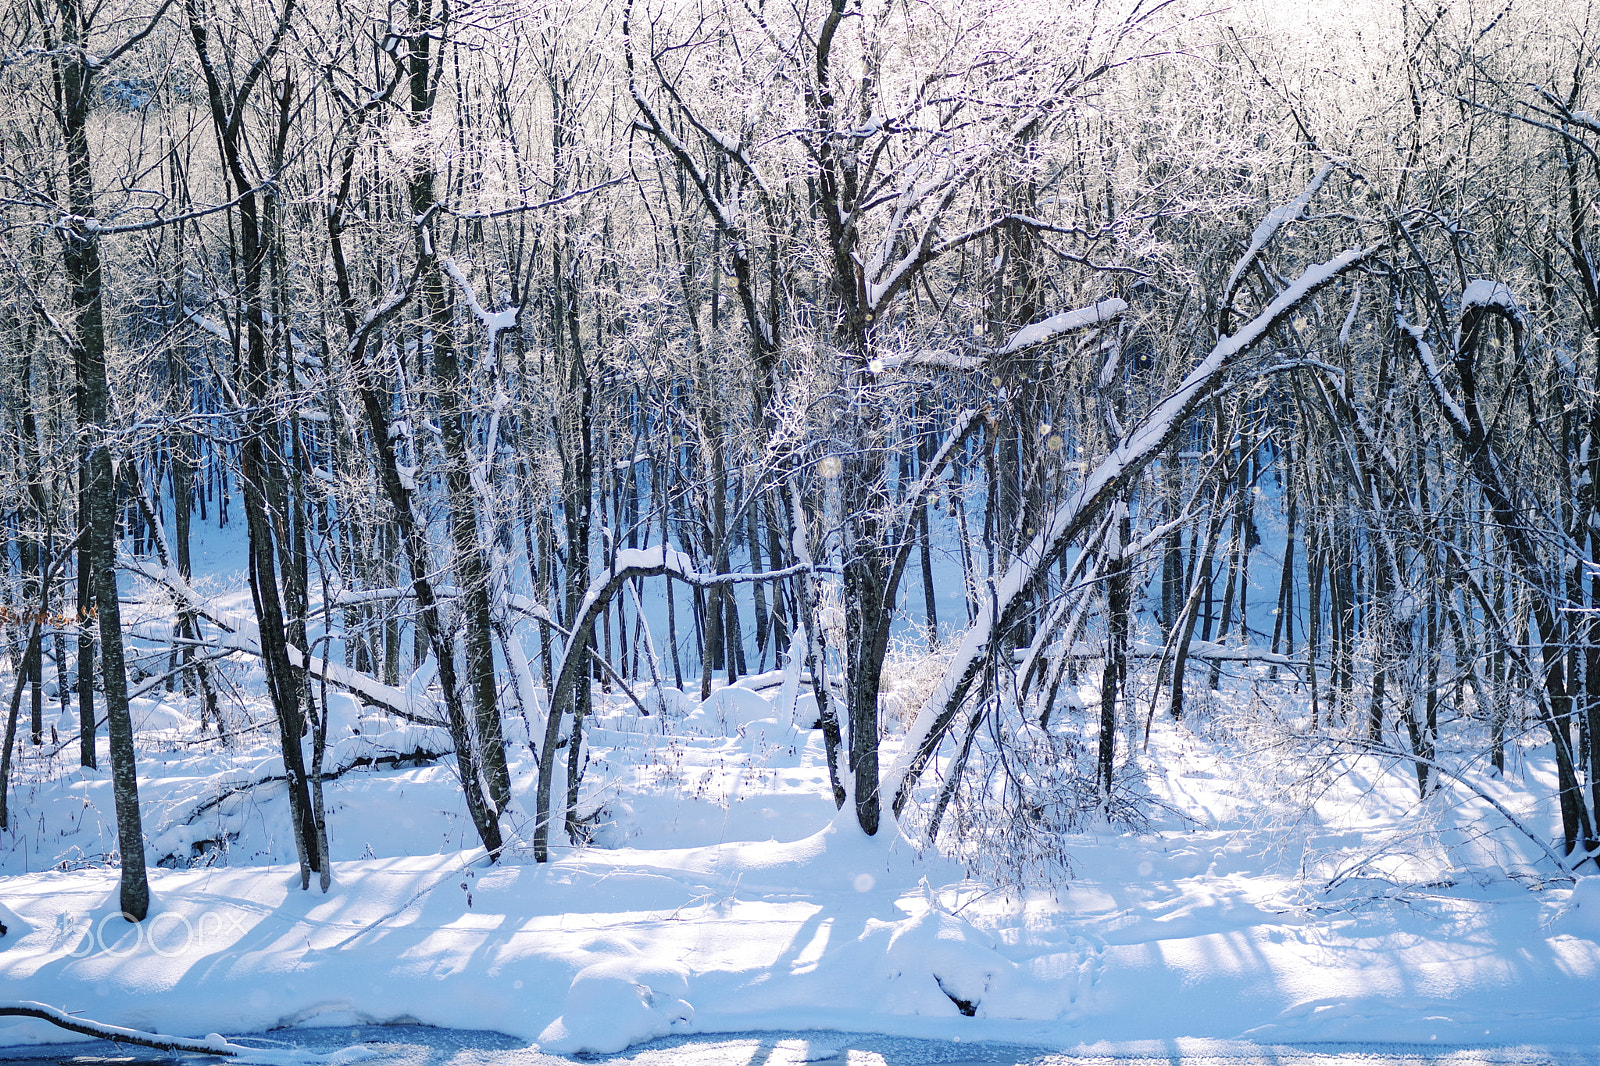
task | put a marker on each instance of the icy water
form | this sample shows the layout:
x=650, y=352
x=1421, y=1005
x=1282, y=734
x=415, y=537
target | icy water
x=416, y=1045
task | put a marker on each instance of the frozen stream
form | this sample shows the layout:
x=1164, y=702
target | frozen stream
x=407, y=1045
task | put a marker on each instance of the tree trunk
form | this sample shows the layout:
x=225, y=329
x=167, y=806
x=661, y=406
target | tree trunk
x=263, y=481
x=81, y=258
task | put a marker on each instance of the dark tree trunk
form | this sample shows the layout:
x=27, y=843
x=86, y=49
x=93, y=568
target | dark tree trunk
x=263, y=480
x=412, y=69
x=73, y=75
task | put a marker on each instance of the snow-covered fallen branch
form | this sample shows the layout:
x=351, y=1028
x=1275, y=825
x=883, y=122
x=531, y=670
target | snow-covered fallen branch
x=212, y=1044
x=241, y=634
x=365, y=753
x=999, y=612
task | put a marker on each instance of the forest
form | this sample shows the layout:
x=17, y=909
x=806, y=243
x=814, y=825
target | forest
x=1042, y=365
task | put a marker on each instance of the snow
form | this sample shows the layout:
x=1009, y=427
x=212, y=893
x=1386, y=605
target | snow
x=1486, y=293
x=1581, y=917
x=1274, y=221
x=1066, y=322
x=728, y=897
x=617, y=1002
x=493, y=322
x=1284, y=893
x=1441, y=391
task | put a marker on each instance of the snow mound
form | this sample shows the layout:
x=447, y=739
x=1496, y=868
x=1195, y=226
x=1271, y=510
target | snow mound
x=618, y=1002
x=729, y=708
x=12, y=928
x=1581, y=916
x=151, y=716
x=344, y=716
x=940, y=965
x=735, y=712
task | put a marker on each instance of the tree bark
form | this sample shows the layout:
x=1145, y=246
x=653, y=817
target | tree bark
x=75, y=95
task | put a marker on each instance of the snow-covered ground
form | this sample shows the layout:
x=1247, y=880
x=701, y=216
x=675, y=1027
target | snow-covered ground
x=1277, y=898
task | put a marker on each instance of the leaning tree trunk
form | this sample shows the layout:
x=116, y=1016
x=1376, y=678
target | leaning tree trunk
x=261, y=468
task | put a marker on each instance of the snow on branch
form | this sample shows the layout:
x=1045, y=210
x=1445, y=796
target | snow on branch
x=664, y=560
x=881, y=280
x=1581, y=119
x=643, y=562
x=206, y=324
x=1484, y=297
x=93, y=227
x=1276, y=219
x=1049, y=329
x=493, y=321
x=1424, y=350
x=655, y=127
x=927, y=360
x=376, y=317
x=518, y=209
x=1485, y=293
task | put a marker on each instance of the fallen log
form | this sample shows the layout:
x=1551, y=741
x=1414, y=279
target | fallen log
x=211, y=1044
